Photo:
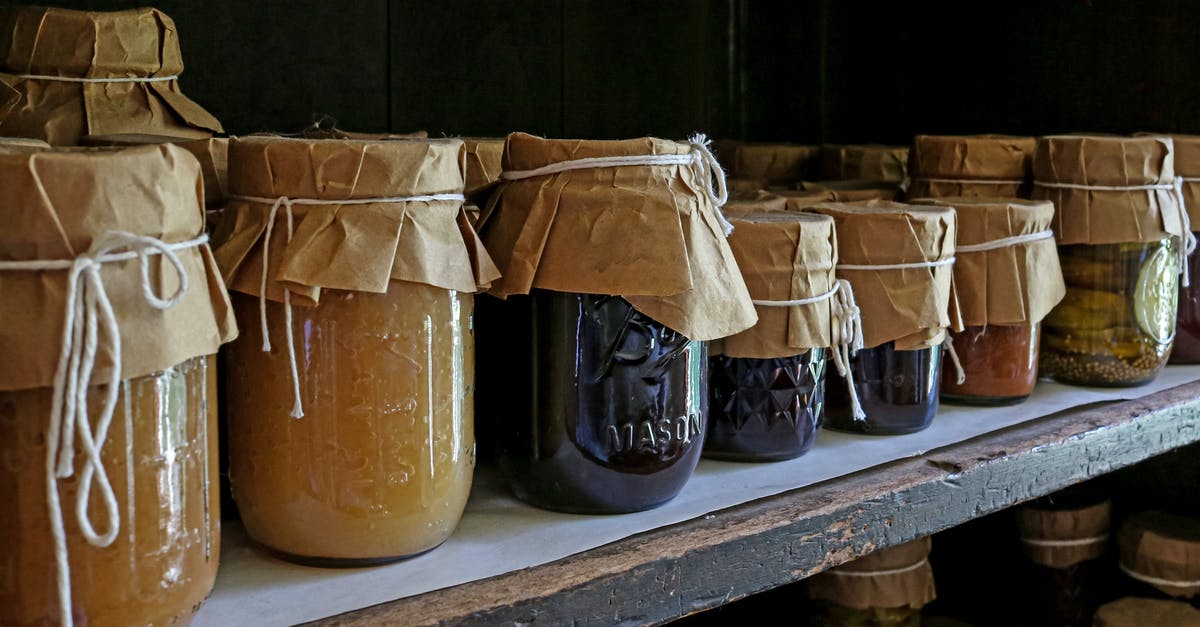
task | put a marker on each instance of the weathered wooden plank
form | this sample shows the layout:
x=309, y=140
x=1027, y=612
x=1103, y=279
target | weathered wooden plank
x=682, y=569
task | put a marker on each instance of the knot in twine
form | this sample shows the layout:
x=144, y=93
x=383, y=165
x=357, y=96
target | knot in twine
x=89, y=319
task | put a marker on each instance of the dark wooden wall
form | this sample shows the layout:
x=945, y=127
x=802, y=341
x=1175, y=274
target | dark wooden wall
x=806, y=70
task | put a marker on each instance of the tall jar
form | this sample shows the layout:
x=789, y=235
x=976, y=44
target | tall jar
x=132, y=535
x=609, y=321
x=887, y=588
x=351, y=434
x=1119, y=226
x=1007, y=279
x=1159, y=555
x=39, y=42
x=767, y=383
x=898, y=258
x=989, y=166
x=1186, y=349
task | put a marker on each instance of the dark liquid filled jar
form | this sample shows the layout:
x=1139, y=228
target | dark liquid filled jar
x=615, y=416
x=1186, y=349
x=1000, y=364
x=897, y=389
x=764, y=409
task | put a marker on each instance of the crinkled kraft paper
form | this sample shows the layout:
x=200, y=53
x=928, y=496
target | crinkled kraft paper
x=1014, y=285
x=1163, y=546
x=911, y=306
x=966, y=163
x=358, y=247
x=852, y=190
x=56, y=203
x=1068, y=526
x=777, y=164
x=647, y=233
x=870, y=162
x=910, y=588
x=137, y=43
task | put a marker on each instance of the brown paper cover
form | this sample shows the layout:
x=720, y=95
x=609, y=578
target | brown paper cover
x=778, y=164
x=483, y=164
x=23, y=141
x=1139, y=612
x=137, y=43
x=870, y=162
x=852, y=190
x=911, y=306
x=1015, y=285
x=1092, y=216
x=647, y=233
x=911, y=588
x=746, y=185
x=961, y=159
x=783, y=256
x=1187, y=166
x=757, y=201
x=801, y=199
x=358, y=247
x=56, y=203
x=212, y=152
x=1092, y=521
x=1164, y=546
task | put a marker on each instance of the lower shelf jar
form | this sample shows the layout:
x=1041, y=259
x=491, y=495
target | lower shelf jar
x=999, y=362
x=613, y=419
x=898, y=391
x=764, y=409
x=161, y=458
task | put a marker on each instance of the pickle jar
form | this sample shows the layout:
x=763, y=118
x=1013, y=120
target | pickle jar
x=1159, y=555
x=767, y=384
x=351, y=434
x=1186, y=348
x=1119, y=227
x=132, y=534
x=1007, y=278
x=610, y=323
x=898, y=258
x=988, y=166
x=886, y=588
x=1065, y=537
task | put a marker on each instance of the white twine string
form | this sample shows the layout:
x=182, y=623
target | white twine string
x=114, y=79
x=1005, y=242
x=846, y=336
x=287, y=204
x=1075, y=542
x=1176, y=186
x=89, y=313
x=704, y=165
x=1156, y=581
x=878, y=573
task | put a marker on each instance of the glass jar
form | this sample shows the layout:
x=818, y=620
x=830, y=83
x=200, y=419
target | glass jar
x=613, y=417
x=1186, y=349
x=380, y=465
x=1115, y=326
x=764, y=410
x=897, y=389
x=1159, y=555
x=161, y=458
x=1000, y=364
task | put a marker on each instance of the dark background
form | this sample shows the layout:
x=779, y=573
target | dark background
x=807, y=70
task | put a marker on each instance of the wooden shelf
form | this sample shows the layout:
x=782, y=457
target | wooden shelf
x=702, y=563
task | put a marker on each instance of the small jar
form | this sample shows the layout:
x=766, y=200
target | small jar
x=1119, y=226
x=887, y=588
x=610, y=322
x=1066, y=538
x=152, y=558
x=767, y=384
x=1007, y=277
x=989, y=166
x=351, y=436
x=1139, y=612
x=898, y=258
x=1159, y=554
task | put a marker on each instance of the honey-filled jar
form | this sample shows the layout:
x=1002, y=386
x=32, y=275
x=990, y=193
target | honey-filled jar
x=899, y=260
x=616, y=272
x=767, y=383
x=1120, y=229
x=350, y=417
x=113, y=310
x=988, y=166
x=1007, y=278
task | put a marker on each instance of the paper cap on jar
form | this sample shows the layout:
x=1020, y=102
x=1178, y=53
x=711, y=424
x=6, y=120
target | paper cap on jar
x=852, y=190
x=869, y=162
x=1139, y=612
x=1163, y=551
x=1065, y=528
x=895, y=577
x=777, y=164
x=970, y=165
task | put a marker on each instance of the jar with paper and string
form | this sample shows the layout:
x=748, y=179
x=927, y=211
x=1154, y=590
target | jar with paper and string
x=1007, y=279
x=988, y=166
x=113, y=310
x=767, y=383
x=886, y=588
x=1123, y=239
x=352, y=267
x=898, y=259
x=1186, y=348
x=1159, y=556
x=616, y=272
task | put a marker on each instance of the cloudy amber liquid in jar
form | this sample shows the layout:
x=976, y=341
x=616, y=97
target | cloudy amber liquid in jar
x=380, y=465
x=160, y=456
